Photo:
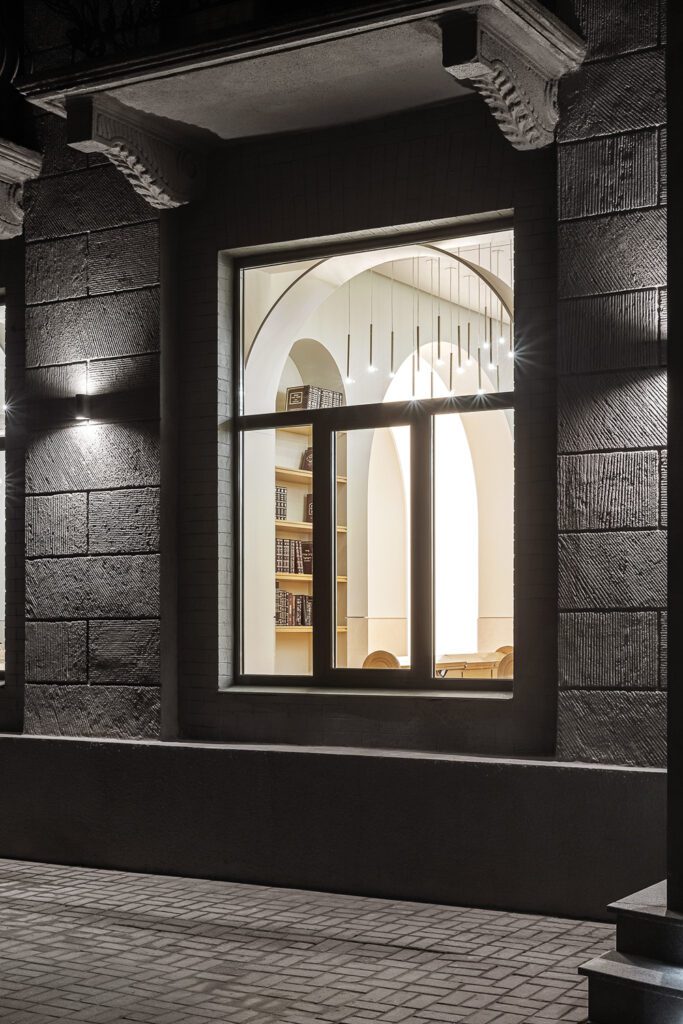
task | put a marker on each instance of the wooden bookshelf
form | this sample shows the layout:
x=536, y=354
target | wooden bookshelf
x=304, y=629
x=298, y=476
x=305, y=577
x=295, y=527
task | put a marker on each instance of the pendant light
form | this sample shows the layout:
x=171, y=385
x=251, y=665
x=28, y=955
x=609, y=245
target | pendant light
x=371, y=366
x=348, y=379
x=392, y=372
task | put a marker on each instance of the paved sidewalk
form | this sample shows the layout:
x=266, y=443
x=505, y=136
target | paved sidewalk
x=79, y=944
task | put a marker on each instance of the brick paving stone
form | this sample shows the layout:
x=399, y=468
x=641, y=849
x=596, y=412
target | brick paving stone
x=108, y=947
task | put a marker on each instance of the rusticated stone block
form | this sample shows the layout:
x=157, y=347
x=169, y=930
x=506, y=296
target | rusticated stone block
x=93, y=328
x=124, y=653
x=605, y=175
x=95, y=456
x=63, y=381
x=663, y=650
x=131, y=373
x=620, y=410
x=99, y=197
x=609, y=332
x=614, y=650
x=57, y=524
x=56, y=269
x=619, y=727
x=617, y=253
x=97, y=587
x=51, y=129
x=123, y=258
x=662, y=167
x=620, y=95
x=612, y=570
x=613, y=27
x=56, y=652
x=124, y=521
x=608, y=491
x=663, y=489
x=120, y=712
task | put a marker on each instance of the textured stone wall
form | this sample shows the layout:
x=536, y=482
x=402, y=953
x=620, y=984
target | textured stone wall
x=612, y=389
x=92, y=489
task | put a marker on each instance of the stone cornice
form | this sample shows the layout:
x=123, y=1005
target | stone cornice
x=514, y=53
x=155, y=159
x=17, y=165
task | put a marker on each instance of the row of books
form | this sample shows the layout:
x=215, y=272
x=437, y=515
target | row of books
x=295, y=556
x=280, y=502
x=308, y=396
x=293, y=609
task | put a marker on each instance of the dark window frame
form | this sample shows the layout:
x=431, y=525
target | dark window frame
x=419, y=415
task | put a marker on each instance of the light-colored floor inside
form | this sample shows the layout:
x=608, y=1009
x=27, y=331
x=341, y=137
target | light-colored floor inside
x=80, y=944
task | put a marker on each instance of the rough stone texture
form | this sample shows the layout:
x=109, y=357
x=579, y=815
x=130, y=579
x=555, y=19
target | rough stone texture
x=57, y=269
x=608, y=491
x=63, y=381
x=617, y=26
x=609, y=650
x=613, y=96
x=619, y=172
x=131, y=373
x=618, y=727
x=609, y=332
x=123, y=712
x=123, y=258
x=51, y=129
x=663, y=502
x=662, y=167
x=663, y=314
x=56, y=652
x=620, y=252
x=121, y=521
x=57, y=524
x=663, y=650
x=124, y=653
x=93, y=328
x=612, y=570
x=83, y=201
x=95, y=456
x=98, y=587
x=621, y=410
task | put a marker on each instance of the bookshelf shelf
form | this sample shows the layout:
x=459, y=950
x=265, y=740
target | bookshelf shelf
x=294, y=527
x=304, y=629
x=303, y=577
x=298, y=476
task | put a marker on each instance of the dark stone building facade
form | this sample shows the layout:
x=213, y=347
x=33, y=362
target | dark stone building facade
x=120, y=564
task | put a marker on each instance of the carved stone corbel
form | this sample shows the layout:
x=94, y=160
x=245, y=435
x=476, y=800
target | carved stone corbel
x=17, y=165
x=513, y=53
x=155, y=159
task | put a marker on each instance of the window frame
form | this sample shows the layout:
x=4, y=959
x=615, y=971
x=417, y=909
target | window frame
x=419, y=415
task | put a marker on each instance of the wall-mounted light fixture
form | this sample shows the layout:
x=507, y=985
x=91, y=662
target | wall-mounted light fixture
x=82, y=407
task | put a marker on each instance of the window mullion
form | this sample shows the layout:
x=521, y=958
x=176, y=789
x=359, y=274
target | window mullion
x=421, y=518
x=324, y=631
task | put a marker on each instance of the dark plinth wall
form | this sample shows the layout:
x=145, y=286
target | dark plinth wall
x=529, y=836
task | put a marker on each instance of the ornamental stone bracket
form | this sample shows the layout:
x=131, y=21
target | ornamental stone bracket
x=513, y=52
x=155, y=159
x=17, y=165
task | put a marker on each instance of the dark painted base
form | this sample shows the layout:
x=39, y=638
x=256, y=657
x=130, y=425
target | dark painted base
x=535, y=836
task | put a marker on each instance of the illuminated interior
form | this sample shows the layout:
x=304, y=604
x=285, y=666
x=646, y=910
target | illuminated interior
x=413, y=322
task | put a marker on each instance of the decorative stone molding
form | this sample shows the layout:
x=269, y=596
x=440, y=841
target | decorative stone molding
x=17, y=165
x=153, y=157
x=513, y=53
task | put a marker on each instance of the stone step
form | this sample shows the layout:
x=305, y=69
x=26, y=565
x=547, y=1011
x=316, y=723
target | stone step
x=647, y=928
x=629, y=989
